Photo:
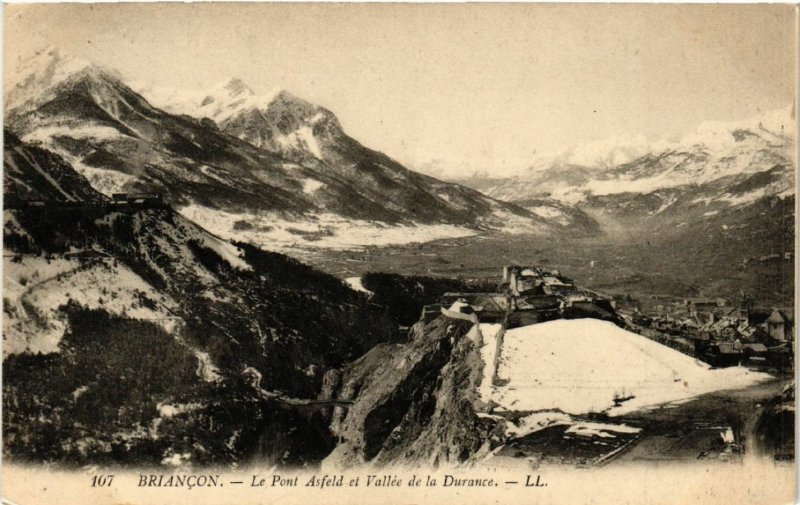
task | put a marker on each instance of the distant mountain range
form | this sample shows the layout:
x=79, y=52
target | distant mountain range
x=668, y=185
x=270, y=169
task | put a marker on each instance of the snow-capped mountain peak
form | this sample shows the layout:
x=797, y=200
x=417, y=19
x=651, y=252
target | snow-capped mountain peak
x=220, y=102
x=719, y=169
x=278, y=121
x=226, y=100
x=41, y=71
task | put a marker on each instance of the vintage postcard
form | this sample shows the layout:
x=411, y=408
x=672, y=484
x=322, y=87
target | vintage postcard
x=399, y=253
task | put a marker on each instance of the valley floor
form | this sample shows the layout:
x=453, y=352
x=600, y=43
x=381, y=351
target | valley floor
x=640, y=269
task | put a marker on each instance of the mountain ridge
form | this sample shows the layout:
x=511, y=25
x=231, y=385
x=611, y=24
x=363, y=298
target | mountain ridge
x=715, y=150
x=284, y=163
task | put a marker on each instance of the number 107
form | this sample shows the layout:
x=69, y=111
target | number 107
x=102, y=480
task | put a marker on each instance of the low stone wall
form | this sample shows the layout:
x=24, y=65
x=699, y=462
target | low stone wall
x=499, y=348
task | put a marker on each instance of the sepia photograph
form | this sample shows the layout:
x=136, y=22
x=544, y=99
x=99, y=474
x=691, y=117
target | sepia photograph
x=399, y=253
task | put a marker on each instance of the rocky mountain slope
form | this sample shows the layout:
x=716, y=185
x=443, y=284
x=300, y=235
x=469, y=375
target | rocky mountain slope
x=32, y=173
x=235, y=161
x=278, y=122
x=133, y=336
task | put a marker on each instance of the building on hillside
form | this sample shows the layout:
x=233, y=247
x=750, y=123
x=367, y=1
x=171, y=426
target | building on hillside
x=527, y=310
x=723, y=354
x=527, y=284
x=754, y=353
x=522, y=279
x=779, y=326
x=697, y=305
x=752, y=333
x=494, y=308
x=489, y=307
x=559, y=290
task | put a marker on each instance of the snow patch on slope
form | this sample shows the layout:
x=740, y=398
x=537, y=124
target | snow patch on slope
x=206, y=369
x=601, y=430
x=310, y=186
x=307, y=135
x=301, y=139
x=536, y=422
x=546, y=212
x=83, y=131
x=579, y=366
x=227, y=251
x=105, y=181
x=631, y=185
x=356, y=284
x=36, y=288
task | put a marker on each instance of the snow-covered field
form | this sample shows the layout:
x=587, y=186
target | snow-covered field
x=325, y=231
x=580, y=366
x=278, y=232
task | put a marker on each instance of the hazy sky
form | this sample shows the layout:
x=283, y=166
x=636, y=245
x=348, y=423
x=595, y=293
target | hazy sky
x=470, y=86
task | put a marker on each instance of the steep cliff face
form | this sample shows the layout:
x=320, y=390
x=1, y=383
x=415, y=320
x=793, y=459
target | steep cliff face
x=413, y=402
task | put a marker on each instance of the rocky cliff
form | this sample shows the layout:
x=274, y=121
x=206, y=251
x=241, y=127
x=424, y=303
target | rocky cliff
x=413, y=402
